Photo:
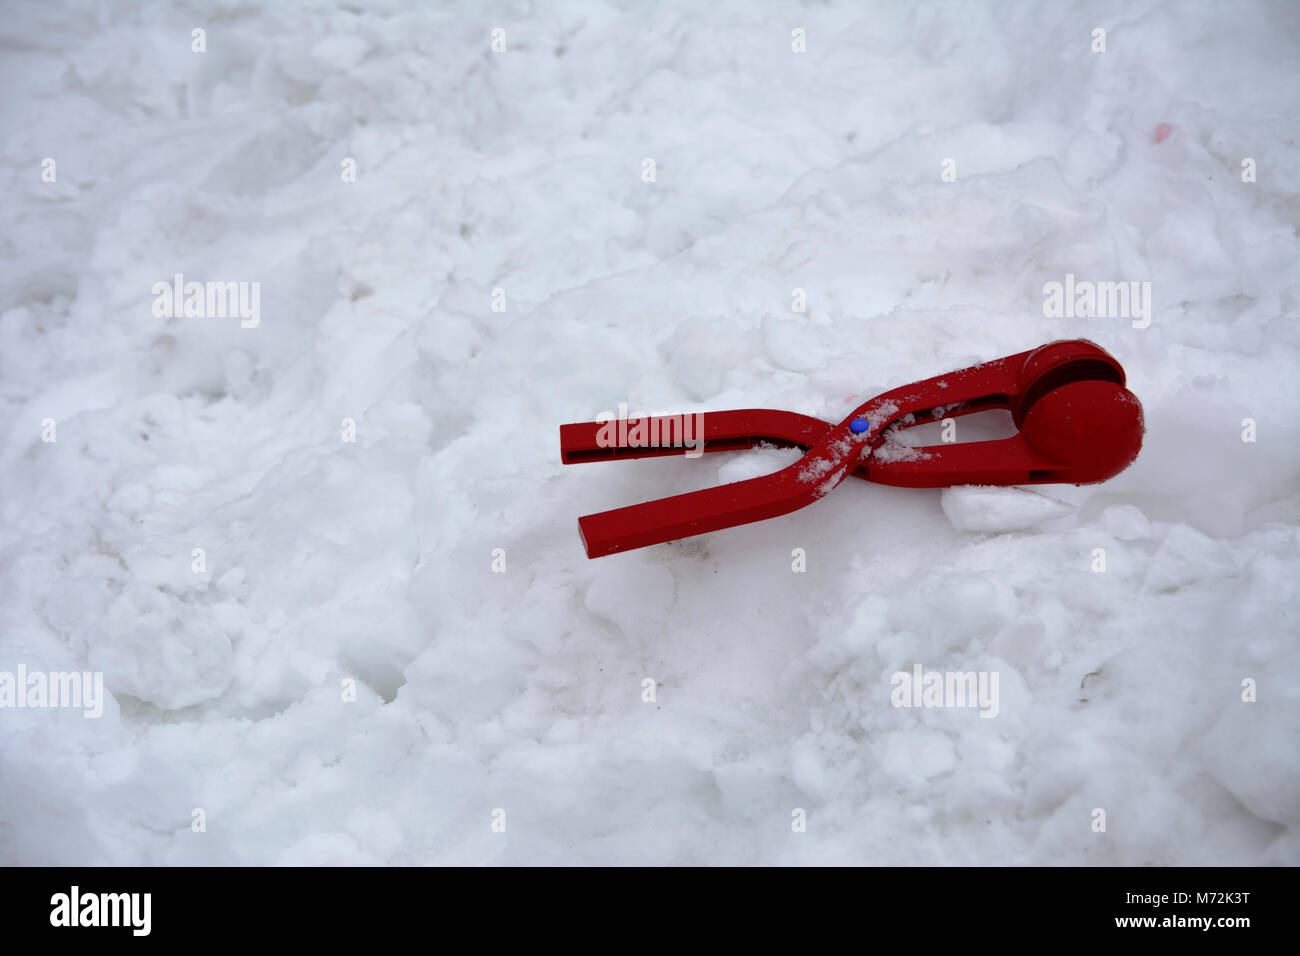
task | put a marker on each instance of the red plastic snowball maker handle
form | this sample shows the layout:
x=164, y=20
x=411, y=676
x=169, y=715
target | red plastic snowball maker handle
x=1077, y=423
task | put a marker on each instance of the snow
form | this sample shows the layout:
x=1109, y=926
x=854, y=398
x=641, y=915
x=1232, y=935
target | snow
x=990, y=509
x=1126, y=522
x=896, y=447
x=328, y=561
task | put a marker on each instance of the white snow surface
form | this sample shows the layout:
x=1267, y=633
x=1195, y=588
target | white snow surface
x=522, y=690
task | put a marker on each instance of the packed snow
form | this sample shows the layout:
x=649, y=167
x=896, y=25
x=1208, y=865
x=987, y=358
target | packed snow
x=470, y=223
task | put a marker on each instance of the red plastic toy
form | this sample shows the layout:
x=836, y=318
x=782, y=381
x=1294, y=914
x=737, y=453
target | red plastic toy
x=1077, y=424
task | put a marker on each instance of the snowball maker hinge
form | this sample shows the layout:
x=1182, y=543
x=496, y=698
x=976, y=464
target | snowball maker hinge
x=1076, y=422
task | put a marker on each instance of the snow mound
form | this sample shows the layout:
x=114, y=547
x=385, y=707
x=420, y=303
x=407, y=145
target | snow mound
x=993, y=510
